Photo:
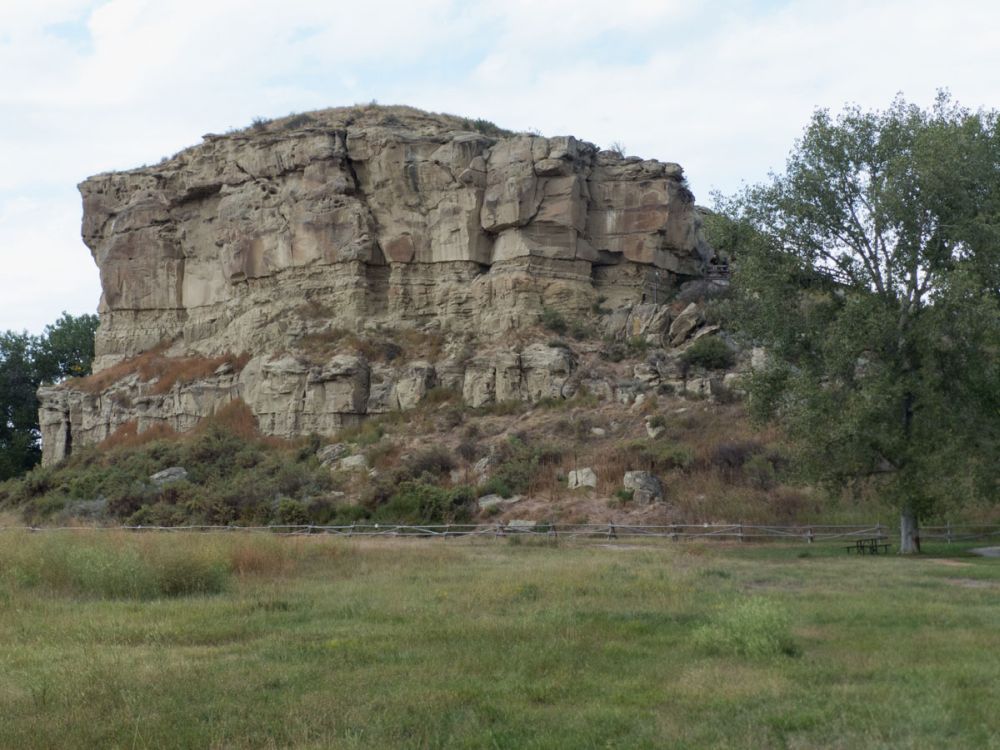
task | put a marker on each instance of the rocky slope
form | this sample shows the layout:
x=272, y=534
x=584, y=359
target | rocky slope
x=329, y=266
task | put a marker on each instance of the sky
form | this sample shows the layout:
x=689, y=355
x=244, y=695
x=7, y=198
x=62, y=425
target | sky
x=723, y=88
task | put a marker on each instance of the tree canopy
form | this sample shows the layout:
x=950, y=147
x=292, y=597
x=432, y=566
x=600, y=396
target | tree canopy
x=65, y=349
x=870, y=272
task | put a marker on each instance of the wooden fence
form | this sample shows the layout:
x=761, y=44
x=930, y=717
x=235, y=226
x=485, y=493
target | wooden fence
x=676, y=532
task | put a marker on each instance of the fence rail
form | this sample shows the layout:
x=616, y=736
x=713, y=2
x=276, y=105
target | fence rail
x=676, y=532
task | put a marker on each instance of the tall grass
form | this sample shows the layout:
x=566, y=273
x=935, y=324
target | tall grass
x=754, y=627
x=319, y=642
x=122, y=566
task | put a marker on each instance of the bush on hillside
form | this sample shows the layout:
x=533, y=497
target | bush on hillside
x=710, y=353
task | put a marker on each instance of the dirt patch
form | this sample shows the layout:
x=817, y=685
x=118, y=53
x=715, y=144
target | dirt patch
x=950, y=563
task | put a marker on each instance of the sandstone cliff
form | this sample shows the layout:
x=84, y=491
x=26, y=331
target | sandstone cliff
x=358, y=258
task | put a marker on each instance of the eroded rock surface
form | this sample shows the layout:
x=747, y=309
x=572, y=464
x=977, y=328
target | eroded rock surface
x=366, y=220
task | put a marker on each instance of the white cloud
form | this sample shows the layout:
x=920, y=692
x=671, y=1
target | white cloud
x=724, y=90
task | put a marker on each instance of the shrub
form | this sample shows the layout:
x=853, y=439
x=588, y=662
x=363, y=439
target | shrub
x=364, y=434
x=731, y=457
x=597, y=307
x=659, y=455
x=433, y=461
x=518, y=466
x=554, y=321
x=347, y=515
x=637, y=345
x=468, y=450
x=754, y=627
x=613, y=352
x=297, y=121
x=292, y=512
x=416, y=502
x=485, y=127
x=709, y=352
x=759, y=472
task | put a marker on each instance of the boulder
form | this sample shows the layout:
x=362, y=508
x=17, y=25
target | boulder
x=328, y=455
x=353, y=463
x=685, y=323
x=581, y=478
x=646, y=488
x=522, y=524
x=486, y=502
x=169, y=476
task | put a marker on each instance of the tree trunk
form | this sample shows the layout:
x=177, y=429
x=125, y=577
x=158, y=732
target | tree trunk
x=909, y=532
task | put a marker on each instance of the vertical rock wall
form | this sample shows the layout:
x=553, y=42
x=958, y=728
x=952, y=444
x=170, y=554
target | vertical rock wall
x=370, y=221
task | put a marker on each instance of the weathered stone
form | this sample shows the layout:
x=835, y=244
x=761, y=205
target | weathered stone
x=581, y=478
x=646, y=373
x=353, y=463
x=169, y=476
x=330, y=454
x=368, y=221
x=646, y=488
x=496, y=501
x=705, y=331
x=522, y=524
x=685, y=323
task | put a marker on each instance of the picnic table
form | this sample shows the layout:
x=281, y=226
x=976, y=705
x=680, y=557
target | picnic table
x=869, y=546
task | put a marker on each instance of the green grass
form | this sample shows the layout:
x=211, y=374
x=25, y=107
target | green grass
x=317, y=642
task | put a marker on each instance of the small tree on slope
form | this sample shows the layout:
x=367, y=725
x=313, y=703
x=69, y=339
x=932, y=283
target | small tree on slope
x=870, y=272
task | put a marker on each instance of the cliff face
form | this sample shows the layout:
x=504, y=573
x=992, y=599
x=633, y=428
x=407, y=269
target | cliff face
x=292, y=239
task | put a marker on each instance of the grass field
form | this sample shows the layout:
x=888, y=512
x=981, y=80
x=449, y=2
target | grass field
x=251, y=641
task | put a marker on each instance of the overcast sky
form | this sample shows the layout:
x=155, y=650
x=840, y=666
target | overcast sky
x=723, y=88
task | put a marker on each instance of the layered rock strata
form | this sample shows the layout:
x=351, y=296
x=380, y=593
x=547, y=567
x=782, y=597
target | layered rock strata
x=369, y=220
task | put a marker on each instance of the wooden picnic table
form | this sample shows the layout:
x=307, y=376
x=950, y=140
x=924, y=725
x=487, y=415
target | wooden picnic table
x=869, y=546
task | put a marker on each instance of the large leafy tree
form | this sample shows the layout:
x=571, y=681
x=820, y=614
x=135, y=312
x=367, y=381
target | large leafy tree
x=65, y=349
x=870, y=273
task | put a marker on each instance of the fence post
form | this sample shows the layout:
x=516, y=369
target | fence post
x=809, y=535
x=949, y=532
x=611, y=531
x=741, y=532
x=673, y=532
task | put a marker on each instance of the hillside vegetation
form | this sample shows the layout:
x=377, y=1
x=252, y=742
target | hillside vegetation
x=432, y=464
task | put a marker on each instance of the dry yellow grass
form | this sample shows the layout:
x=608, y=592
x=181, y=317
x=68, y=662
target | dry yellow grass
x=152, y=365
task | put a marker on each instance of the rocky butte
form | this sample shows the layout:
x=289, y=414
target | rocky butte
x=342, y=263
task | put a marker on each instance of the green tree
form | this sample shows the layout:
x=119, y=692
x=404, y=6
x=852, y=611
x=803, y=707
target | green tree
x=870, y=272
x=65, y=349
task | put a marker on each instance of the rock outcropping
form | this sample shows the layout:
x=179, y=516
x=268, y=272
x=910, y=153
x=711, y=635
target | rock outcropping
x=294, y=242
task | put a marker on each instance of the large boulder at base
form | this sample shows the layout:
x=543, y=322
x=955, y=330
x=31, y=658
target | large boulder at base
x=581, y=478
x=646, y=488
